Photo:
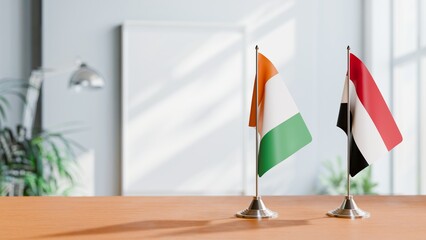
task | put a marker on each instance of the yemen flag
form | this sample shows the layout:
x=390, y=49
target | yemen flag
x=281, y=127
x=374, y=131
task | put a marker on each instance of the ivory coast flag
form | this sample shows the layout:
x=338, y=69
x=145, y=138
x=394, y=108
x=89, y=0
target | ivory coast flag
x=281, y=127
x=374, y=131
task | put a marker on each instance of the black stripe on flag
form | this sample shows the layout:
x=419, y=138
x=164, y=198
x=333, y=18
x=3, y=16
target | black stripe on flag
x=358, y=161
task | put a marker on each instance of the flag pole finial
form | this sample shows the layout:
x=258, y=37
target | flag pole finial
x=348, y=48
x=257, y=47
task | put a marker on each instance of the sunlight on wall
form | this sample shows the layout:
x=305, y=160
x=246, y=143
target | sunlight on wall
x=266, y=13
x=405, y=112
x=204, y=52
x=181, y=142
x=405, y=37
x=283, y=36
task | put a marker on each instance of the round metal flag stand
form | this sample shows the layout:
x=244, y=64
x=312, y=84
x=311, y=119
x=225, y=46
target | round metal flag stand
x=348, y=209
x=257, y=209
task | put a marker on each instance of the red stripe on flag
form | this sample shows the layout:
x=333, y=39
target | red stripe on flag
x=370, y=96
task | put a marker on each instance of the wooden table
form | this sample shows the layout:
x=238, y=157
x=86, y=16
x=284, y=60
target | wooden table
x=300, y=217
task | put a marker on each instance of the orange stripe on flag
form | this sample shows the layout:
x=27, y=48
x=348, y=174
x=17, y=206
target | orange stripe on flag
x=266, y=71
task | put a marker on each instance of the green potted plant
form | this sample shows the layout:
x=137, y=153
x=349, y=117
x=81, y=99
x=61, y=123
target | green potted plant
x=333, y=180
x=33, y=166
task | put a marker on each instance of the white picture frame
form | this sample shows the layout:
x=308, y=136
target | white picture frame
x=159, y=166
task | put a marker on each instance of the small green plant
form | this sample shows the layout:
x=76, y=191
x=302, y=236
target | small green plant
x=333, y=181
x=33, y=166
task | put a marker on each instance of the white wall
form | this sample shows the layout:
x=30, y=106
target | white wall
x=306, y=40
x=15, y=48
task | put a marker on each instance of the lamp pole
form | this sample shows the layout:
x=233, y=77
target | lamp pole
x=82, y=76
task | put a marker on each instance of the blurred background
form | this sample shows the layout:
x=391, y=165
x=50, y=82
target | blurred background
x=171, y=118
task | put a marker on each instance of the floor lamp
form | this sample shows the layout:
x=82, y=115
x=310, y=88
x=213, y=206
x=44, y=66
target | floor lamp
x=82, y=76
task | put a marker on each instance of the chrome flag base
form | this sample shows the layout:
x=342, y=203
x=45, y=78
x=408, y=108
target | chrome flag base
x=257, y=209
x=348, y=209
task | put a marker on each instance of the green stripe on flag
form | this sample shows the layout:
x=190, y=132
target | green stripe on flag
x=281, y=142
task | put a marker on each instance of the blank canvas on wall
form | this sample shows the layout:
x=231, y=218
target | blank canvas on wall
x=182, y=109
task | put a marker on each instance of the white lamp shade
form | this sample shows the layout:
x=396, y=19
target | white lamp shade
x=86, y=77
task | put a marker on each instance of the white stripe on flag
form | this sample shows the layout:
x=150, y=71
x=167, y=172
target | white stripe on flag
x=345, y=91
x=365, y=133
x=278, y=104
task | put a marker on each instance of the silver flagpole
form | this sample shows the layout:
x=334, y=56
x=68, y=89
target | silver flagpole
x=257, y=208
x=257, y=120
x=348, y=128
x=348, y=209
